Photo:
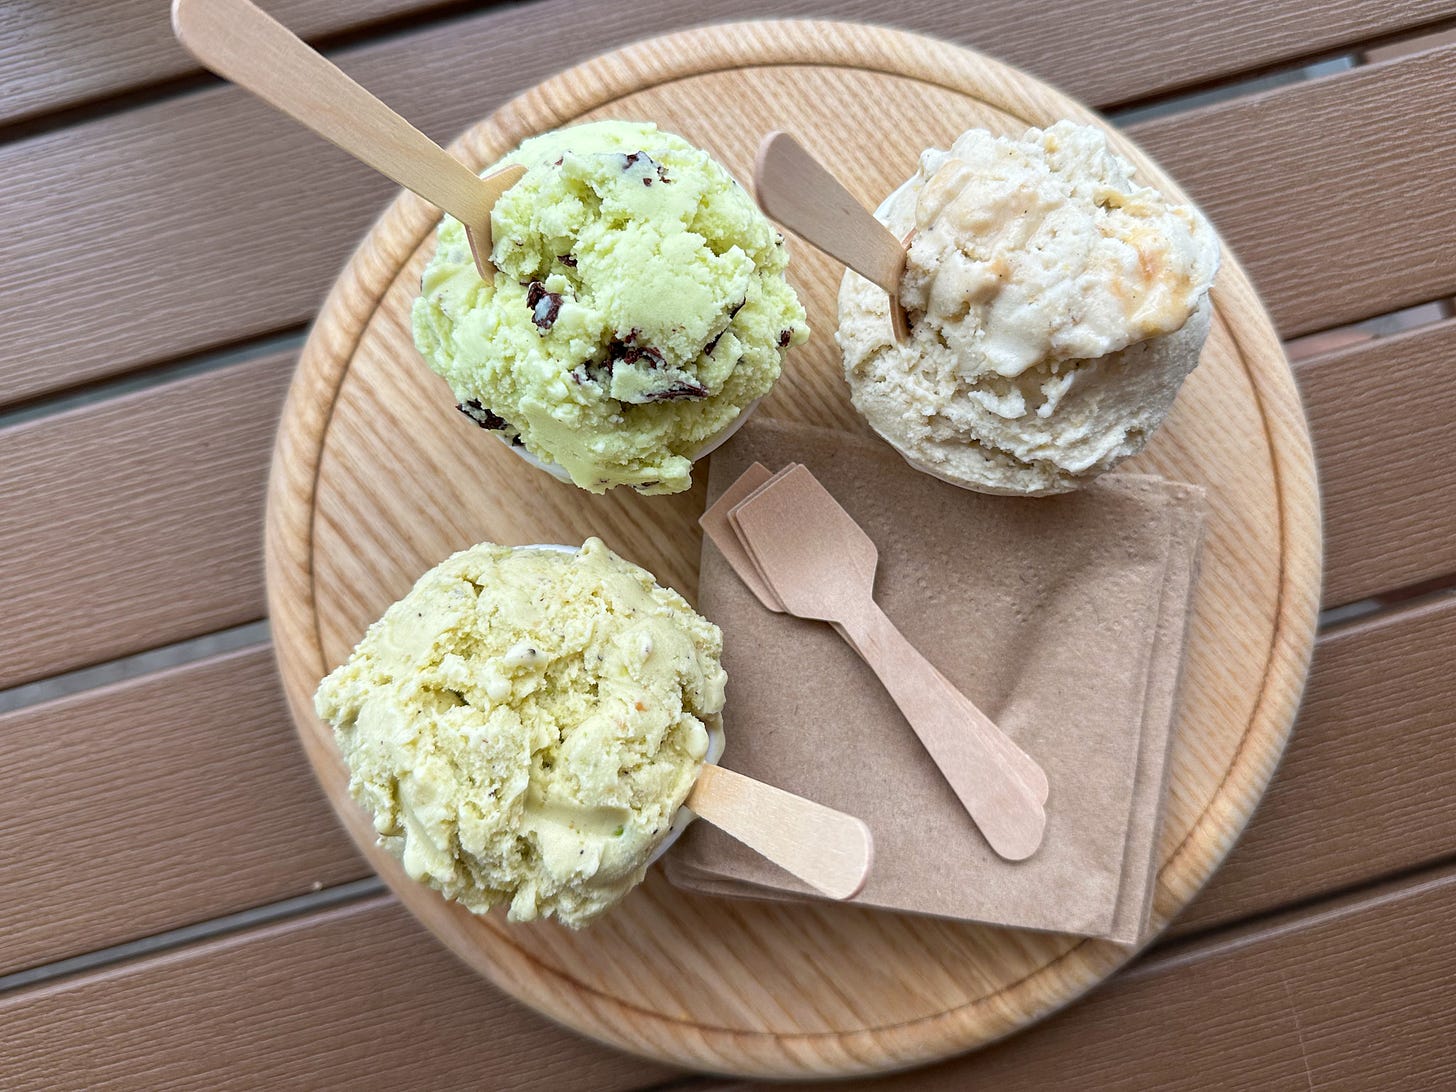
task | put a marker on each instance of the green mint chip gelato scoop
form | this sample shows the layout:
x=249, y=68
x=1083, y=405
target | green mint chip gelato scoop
x=639, y=308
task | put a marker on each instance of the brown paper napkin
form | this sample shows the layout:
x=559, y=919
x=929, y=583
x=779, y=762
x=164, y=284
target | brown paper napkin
x=1063, y=618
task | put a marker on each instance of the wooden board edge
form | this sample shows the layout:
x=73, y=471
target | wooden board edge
x=1296, y=622
x=555, y=102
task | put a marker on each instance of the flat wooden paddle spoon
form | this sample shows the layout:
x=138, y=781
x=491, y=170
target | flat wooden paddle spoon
x=825, y=848
x=244, y=44
x=720, y=531
x=796, y=190
x=821, y=565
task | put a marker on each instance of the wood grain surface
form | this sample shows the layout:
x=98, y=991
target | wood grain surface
x=147, y=805
x=1365, y=789
x=92, y=48
x=1169, y=42
x=1356, y=997
x=138, y=237
x=359, y=998
x=772, y=994
x=1381, y=416
x=1319, y=159
x=139, y=515
x=1379, y=703
x=1406, y=44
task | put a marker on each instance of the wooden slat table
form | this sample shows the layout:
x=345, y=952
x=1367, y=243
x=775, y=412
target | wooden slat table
x=181, y=908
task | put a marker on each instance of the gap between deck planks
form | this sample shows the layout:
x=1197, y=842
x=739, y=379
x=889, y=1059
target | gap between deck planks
x=137, y=50
x=143, y=512
x=158, y=247
x=1357, y=992
x=355, y=997
x=90, y=49
x=181, y=813
x=1355, y=996
x=156, y=803
x=1380, y=414
x=1364, y=786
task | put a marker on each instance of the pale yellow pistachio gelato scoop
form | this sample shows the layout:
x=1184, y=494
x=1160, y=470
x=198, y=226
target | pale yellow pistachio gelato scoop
x=1056, y=306
x=525, y=723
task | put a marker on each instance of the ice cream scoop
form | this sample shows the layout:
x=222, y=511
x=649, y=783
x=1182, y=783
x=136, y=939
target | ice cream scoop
x=527, y=723
x=1056, y=306
x=640, y=308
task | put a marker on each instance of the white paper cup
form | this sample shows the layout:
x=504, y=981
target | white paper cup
x=703, y=452
x=716, y=739
x=685, y=814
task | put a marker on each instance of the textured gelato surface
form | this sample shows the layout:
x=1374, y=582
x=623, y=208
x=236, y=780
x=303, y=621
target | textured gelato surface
x=1056, y=306
x=524, y=724
x=639, y=307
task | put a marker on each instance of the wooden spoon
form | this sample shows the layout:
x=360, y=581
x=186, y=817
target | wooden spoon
x=821, y=565
x=825, y=848
x=244, y=44
x=796, y=190
x=720, y=531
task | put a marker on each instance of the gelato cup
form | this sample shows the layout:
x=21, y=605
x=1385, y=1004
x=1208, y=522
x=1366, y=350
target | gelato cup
x=526, y=723
x=1056, y=306
x=640, y=307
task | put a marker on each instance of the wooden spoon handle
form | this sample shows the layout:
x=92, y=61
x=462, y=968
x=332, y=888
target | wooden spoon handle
x=1026, y=768
x=719, y=529
x=237, y=40
x=825, y=848
x=965, y=743
x=796, y=190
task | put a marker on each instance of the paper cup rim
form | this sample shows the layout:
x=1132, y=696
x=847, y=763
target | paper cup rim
x=713, y=444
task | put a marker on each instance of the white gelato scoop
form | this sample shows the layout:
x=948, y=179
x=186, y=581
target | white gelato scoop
x=1056, y=306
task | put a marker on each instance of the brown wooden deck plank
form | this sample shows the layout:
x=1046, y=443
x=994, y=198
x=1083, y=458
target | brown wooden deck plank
x=55, y=55
x=357, y=997
x=1353, y=996
x=1333, y=192
x=1381, y=416
x=1407, y=45
x=141, y=514
x=62, y=40
x=196, y=222
x=1356, y=997
x=136, y=521
x=176, y=791
x=1367, y=787
x=140, y=807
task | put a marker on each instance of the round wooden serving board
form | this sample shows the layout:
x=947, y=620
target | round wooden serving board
x=376, y=478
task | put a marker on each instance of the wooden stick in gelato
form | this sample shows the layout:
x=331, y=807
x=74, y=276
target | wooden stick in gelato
x=798, y=191
x=242, y=43
x=827, y=849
